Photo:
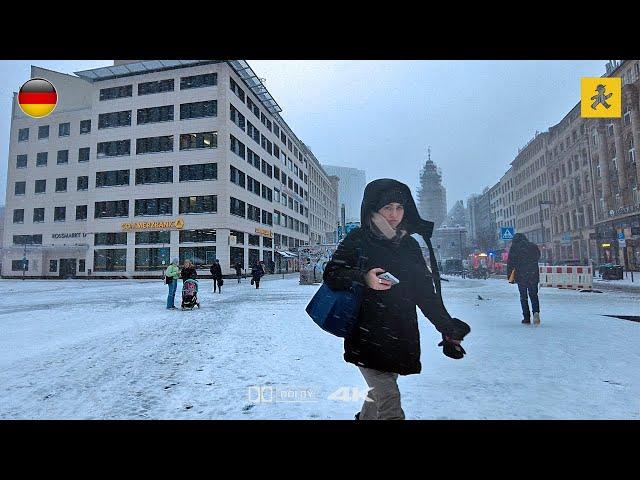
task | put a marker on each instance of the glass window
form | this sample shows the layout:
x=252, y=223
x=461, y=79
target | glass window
x=41, y=186
x=53, y=266
x=237, y=207
x=239, y=237
x=237, y=117
x=199, y=204
x=113, y=178
x=59, y=214
x=197, y=236
x=116, y=92
x=38, y=215
x=202, y=257
x=18, y=215
x=153, y=206
x=153, y=237
x=114, y=208
x=237, y=176
x=254, y=256
x=114, y=149
x=236, y=89
x=154, y=144
x=21, y=161
x=199, y=109
x=237, y=147
x=190, y=141
x=85, y=127
x=81, y=265
x=20, y=188
x=43, y=131
x=19, y=265
x=199, y=171
x=41, y=159
x=23, y=135
x=111, y=260
x=236, y=255
x=64, y=129
x=151, y=258
x=118, y=238
x=81, y=212
x=114, y=119
x=27, y=239
x=61, y=184
x=63, y=157
x=83, y=154
x=199, y=81
x=158, y=86
x=254, y=240
x=83, y=183
x=155, y=115
x=154, y=175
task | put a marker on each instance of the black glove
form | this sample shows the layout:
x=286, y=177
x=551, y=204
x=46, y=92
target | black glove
x=458, y=331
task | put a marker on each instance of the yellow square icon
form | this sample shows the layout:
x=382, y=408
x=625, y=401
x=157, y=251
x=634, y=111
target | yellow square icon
x=601, y=97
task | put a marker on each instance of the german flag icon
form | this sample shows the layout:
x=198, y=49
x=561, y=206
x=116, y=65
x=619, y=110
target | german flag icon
x=37, y=97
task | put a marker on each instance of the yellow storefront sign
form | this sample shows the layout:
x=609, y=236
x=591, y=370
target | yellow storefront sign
x=264, y=232
x=601, y=97
x=169, y=224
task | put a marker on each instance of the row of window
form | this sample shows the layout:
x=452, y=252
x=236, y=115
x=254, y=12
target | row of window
x=42, y=158
x=120, y=208
x=250, y=212
x=64, y=130
x=159, y=86
x=235, y=88
x=144, y=176
x=188, y=141
x=159, y=114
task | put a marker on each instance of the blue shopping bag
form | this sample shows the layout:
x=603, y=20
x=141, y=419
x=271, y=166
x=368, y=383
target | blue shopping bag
x=336, y=312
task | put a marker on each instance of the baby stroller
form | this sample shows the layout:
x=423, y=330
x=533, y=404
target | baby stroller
x=190, y=294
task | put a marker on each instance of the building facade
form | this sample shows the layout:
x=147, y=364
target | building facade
x=351, y=190
x=432, y=196
x=145, y=161
x=594, y=173
x=324, y=190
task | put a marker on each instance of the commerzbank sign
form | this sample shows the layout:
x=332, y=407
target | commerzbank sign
x=154, y=225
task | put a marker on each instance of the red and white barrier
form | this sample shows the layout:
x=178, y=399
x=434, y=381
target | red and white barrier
x=563, y=276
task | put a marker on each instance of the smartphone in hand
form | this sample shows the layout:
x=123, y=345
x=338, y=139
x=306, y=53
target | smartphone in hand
x=389, y=277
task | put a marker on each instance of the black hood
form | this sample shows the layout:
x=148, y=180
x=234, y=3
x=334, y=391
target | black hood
x=519, y=238
x=411, y=222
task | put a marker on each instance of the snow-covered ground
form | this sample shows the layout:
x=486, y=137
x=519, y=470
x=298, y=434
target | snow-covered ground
x=110, y=350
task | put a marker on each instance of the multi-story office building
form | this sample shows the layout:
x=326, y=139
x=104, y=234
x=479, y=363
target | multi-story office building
x=593, y=175
x=350, y=191
x=530, y=186
x=144, y=161
x=323, y=202
x=505, y=208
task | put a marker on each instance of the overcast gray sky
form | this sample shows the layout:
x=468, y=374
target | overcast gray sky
x=380, y=116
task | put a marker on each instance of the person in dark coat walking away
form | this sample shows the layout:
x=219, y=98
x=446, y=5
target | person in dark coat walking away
x=238, y=267
x=523, y=257
x=216, y=275
x=386, y=342
x=257, y=272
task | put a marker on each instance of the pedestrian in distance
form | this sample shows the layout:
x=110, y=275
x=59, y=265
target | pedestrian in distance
x=216, y=275
x=171, y=275
x=257, y=272
x=238, y=268
x=386, y=341
x=523, y=259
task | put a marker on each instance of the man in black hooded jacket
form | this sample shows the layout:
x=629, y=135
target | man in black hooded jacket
x=524, y=257
x=387, y=341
